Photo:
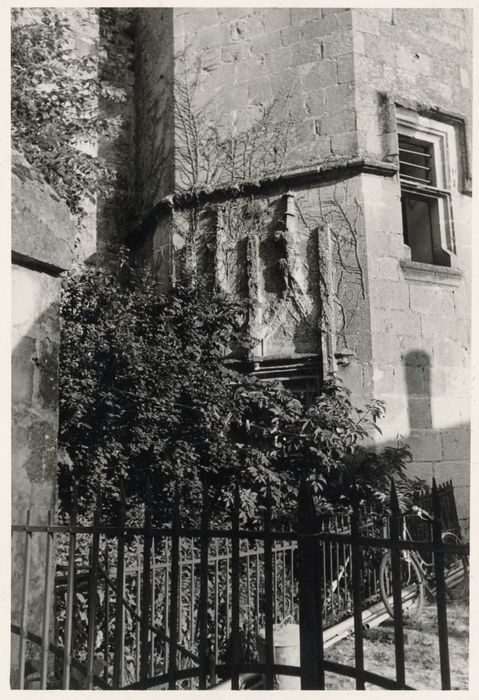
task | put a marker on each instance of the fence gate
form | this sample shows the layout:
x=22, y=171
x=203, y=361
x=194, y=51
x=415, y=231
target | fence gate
x=180, y=607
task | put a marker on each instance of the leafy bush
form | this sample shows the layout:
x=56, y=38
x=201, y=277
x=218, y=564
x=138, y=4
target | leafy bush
x=56, y=92
x=147, y=397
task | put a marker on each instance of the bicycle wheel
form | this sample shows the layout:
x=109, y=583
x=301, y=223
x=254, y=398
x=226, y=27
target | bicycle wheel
x=412, y=586
x=456, y=569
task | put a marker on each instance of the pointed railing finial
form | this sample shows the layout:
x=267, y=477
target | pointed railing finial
x=436, y=501
x=307, y=518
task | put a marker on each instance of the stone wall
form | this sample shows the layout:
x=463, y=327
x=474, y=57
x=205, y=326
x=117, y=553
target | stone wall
x=420, y=314
x=155, y=134
x=276, y=85
x=116, y=213
x=44, y=239
x=419, y=57
x=304, y=99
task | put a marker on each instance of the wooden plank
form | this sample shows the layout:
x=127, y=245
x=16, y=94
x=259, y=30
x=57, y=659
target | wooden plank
x=395, y=533
x=47, y=604
x=440, y=591
x=309, y=593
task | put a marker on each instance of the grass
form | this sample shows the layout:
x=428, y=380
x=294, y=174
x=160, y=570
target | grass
x=421, y=651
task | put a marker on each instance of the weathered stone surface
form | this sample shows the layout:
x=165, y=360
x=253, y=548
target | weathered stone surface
x=426, y=445
x=42, y=227
x=343, y=70
x=345, y=66
x=35, y=341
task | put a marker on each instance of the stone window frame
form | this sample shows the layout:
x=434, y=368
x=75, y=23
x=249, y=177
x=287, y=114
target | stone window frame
x=441, y=138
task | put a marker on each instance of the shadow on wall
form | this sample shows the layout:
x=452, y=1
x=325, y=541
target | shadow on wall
x=34, y=433
x=417, y=370
x=442, y=453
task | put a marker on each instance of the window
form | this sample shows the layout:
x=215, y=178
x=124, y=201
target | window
x=302, y=375
x=428, y=176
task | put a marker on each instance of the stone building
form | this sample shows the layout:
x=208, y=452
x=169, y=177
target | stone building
x=313, y=161
x=317, y=163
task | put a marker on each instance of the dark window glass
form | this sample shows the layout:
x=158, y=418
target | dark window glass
x=415, y=161
x=417, y=223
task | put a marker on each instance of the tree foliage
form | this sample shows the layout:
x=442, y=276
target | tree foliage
x=147, y=398
x=56, y=95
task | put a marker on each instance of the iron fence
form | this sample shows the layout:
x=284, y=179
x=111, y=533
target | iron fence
x=140, y=607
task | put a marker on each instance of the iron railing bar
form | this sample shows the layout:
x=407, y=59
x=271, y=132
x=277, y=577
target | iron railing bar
x=395, y=530
x=107, y=614
x=216, y=601
x=180, y=604
x=153, y=608
x=145, y=627
x=257, y=580
x=248, y=593
x=58, y=652
x=118, y=650
x=157, y=629
x=374, y=542
x=139, y=611
x=166, y=600
x=292, y=550
x=357, y=603
x=47, y=605
x=330, y=666
x=192, y=593
x=268, y=594
x=70, y=597
x=24, y=605
x=227, y=591
x=92, y=595
x=173, y=615
x=440, y=594
x=203, y=601
x=235, y=593
x=309, y=594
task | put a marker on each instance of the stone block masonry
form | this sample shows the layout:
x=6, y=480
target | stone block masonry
x=304, y=90
x=43, y=242
x=227, y=63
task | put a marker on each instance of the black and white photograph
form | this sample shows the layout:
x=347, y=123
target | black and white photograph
x=241, y=347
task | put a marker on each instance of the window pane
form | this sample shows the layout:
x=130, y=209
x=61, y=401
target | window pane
x=417, y=228
x=415, y=161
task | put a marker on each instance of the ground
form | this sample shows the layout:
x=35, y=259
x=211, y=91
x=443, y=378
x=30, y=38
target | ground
x=421, y=650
